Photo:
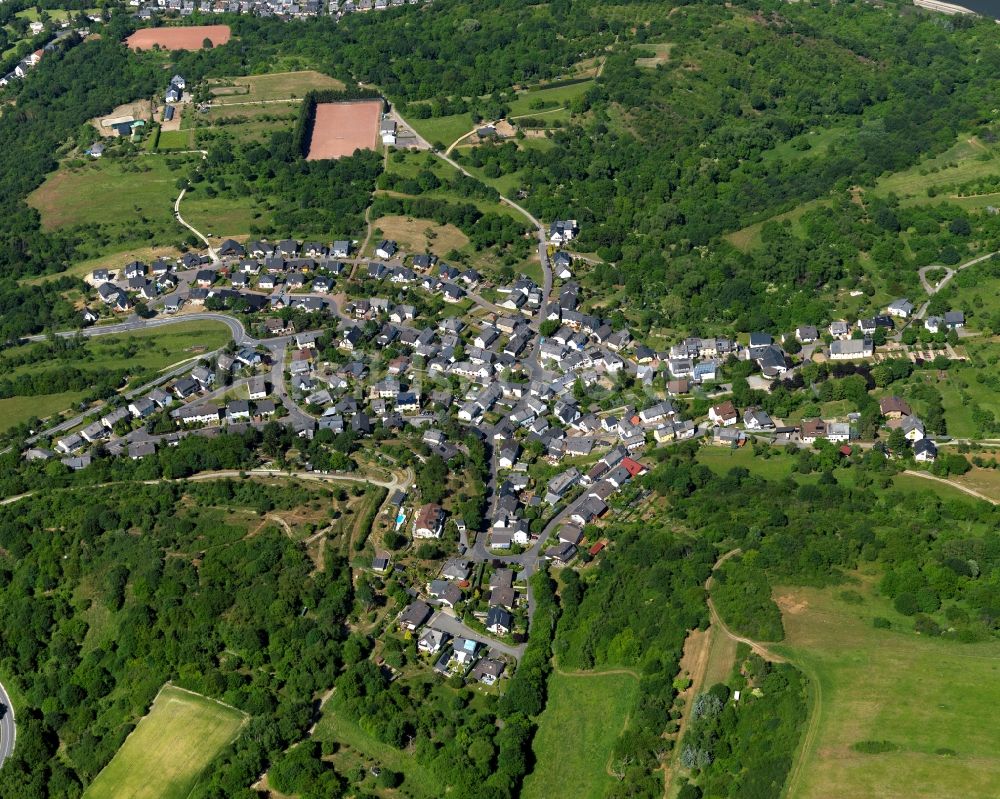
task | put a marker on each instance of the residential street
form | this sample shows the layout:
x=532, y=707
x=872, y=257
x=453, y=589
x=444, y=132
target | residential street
x=449, y=624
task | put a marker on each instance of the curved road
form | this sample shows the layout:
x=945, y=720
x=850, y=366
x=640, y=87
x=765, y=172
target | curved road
x=949, y=272
x=136, y=323
x=8, y=732
x=543, y=243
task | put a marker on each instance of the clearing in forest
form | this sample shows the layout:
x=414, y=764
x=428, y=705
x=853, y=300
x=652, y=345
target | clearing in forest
x=191, y=37
x=583, y=717
x=342, y=128
x=169, y=749
x=920, y=698
x=270, y=87
x=660, y=51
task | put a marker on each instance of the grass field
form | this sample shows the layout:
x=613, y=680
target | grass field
x=534, y=100
x=154, y=348
x=967, y=159
x=418, y=235
x=926, y=696
x=583, y=717
x=107, y=191
x=222, y=217
x=143, y=350
x=14, y=410
x=169, y=749
x=442, y=129
x=272, y=86
x=357, y=746
x=721, y=459
x=175, y=140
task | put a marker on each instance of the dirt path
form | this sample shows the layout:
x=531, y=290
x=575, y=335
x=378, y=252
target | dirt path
x=700, y=667
x=701, y=647
x=965, y=489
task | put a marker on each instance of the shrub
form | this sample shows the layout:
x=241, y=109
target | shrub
x=906, y=603
x=874, y=747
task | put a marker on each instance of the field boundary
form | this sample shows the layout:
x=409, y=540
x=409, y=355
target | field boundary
x=119, y=772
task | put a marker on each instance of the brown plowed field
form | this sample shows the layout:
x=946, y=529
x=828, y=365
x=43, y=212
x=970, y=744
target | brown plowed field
x=342, y=128
x=189, y=38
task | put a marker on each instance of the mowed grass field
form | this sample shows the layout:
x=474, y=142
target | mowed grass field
x=14, y=410
x=107, y=191
x=169, y=749
x=583, y=718
x=931, y=698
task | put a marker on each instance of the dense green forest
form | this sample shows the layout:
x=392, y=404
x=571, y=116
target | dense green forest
x=181, y=594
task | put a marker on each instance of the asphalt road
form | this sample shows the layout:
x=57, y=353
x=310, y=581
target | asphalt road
x=8, y=732
x=135, y=323
x=454, y=627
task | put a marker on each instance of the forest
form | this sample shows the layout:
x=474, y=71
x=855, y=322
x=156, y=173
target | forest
x=179, y=597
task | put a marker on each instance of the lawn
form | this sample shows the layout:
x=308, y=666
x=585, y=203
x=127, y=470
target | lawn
x=175, y=140
x=14, y=410
x=924, y=695
x=273, y=86
x=107, y=191
x=443, y=130
x=583, y=717
x=358, y=746
x=721, y=459
x=169, y=749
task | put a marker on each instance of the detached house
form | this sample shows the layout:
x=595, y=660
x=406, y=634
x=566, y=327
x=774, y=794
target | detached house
x=386, y=249
x=724, y=414
x=414, y=615
x=429, y=522
x=562, y=231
